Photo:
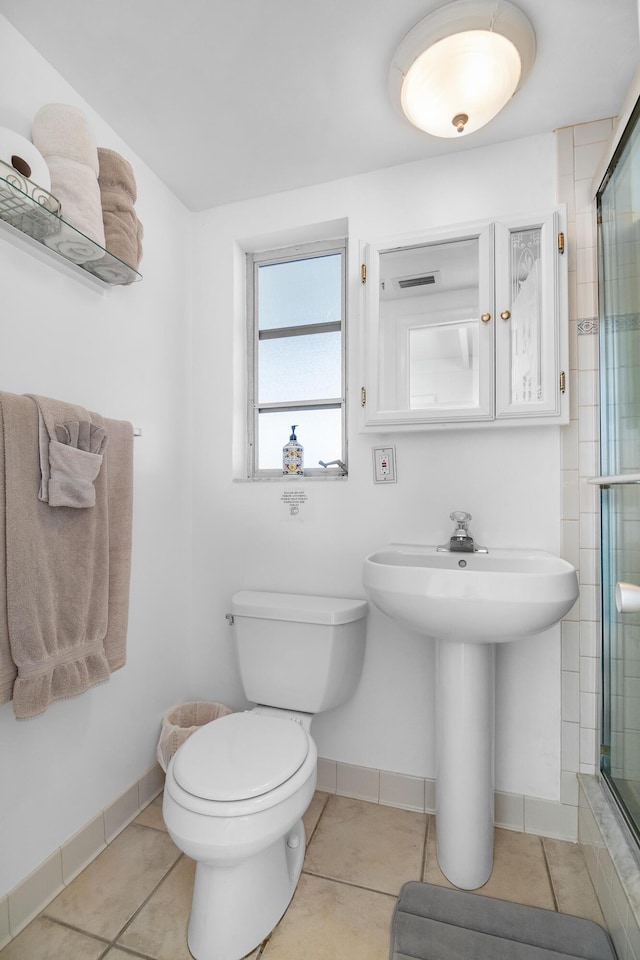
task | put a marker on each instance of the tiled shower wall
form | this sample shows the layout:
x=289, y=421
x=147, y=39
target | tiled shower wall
x=612, y=861
x=579, y=153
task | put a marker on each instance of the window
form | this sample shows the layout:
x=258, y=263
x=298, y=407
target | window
x=297, y=356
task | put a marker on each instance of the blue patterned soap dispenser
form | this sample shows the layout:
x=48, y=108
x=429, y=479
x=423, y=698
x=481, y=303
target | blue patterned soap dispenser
x=293, y=456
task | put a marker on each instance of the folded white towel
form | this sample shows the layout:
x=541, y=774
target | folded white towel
x=64, y=138
x=61, y=130
x=76, y=187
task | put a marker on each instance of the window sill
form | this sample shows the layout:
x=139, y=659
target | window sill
x=304, y=479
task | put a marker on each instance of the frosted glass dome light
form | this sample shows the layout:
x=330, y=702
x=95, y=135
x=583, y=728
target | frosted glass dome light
x=461, y=65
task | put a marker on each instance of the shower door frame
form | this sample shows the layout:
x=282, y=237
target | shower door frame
x=611, y=493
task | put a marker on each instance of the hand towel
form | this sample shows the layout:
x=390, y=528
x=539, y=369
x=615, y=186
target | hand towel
x=67, y=572
x=63, y=136
x=71, y=449
x=119, y=478
x=8, y=670
x=118, y=192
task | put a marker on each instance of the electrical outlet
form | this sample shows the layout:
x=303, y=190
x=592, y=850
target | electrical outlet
x=384, y=464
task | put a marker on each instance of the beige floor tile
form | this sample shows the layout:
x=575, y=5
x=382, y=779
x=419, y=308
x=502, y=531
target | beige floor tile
x=314, y=812
x=45, y=940
x=571, y=881
x=116, y=954
x=332, y=921
x=107, y=894
x=160, y=929
x=367, y=844
x=519, y=869
x=151, y=816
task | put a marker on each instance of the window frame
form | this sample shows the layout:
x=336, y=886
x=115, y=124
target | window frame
x=255, y=260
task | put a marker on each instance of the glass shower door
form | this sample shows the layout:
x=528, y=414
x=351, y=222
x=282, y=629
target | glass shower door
x=619, y=253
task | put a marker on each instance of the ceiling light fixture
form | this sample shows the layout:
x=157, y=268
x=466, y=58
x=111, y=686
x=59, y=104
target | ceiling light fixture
x=460, y=65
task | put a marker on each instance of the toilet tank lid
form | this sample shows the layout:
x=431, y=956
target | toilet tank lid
x=297, y=607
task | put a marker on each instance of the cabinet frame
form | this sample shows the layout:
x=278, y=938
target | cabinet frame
x=496, y=406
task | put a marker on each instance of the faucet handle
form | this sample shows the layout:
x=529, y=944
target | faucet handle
x=460, y=517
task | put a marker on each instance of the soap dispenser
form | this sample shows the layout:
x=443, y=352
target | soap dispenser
x=292, y=455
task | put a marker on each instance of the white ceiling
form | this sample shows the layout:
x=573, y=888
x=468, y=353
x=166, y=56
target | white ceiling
x=232, y=99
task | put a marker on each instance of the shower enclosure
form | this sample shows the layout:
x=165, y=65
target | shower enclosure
x=619, y=312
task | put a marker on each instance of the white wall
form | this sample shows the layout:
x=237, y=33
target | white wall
x=133, y=353
x=123, y=352
x=508, y=479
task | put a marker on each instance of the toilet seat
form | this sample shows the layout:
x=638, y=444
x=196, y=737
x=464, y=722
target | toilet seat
x=240, y=756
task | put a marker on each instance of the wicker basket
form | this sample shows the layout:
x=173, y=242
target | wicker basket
x=181, y=721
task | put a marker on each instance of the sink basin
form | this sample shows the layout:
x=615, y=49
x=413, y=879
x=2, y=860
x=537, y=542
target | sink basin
x=468, y=602
x=490, y=597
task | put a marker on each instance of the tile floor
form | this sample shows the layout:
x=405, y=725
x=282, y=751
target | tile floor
x=134, y=899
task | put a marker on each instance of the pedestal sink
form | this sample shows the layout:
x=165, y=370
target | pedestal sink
x=468, y=602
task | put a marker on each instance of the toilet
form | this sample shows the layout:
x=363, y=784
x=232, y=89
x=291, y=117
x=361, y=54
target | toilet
x=237, y=788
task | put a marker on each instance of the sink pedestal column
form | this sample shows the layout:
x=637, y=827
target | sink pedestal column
x=465, y=681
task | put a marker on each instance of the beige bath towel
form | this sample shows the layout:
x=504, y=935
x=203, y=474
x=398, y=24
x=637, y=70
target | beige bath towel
x=8, y=669
x=71, y=452
x=67, y=571
x=116, y=173
x=118, y=192
x=118, y=469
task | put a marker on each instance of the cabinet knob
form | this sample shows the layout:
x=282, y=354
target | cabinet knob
x=485, y=317
x=506, y=314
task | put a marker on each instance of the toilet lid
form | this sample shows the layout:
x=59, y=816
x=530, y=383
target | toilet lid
x=240, y=756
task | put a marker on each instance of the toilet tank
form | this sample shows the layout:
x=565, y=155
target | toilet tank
x=299, y=652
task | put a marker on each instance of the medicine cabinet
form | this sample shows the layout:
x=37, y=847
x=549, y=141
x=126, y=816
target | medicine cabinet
x=467, y=325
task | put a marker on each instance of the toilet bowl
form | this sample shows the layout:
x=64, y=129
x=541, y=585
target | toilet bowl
x=236, y=790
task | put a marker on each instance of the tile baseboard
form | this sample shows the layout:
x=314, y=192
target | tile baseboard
x=513, y=811
x=22, y=904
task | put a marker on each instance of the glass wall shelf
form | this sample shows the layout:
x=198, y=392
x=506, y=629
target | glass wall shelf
x=36, y=213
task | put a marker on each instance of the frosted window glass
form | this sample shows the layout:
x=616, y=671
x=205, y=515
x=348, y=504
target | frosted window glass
x=298, y=292
x=319, y=432
x=300, y=368
x=526, y=316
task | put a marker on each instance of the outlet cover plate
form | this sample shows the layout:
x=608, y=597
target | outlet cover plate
x=384, y=465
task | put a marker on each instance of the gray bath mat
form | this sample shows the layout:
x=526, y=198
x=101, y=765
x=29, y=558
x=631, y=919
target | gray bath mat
x=435, y=923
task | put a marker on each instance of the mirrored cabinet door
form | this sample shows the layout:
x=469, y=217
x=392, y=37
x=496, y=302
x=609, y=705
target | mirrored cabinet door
x=430, y=329
x=527, y=307
x=467, y=325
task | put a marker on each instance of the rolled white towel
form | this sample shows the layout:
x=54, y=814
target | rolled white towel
x=76, y=187
x=63, y=131
x=63, y=136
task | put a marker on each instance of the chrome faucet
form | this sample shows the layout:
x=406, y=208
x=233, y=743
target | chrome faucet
x=461, y=540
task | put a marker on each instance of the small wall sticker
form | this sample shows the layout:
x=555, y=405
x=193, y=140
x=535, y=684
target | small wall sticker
x=295, y=505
